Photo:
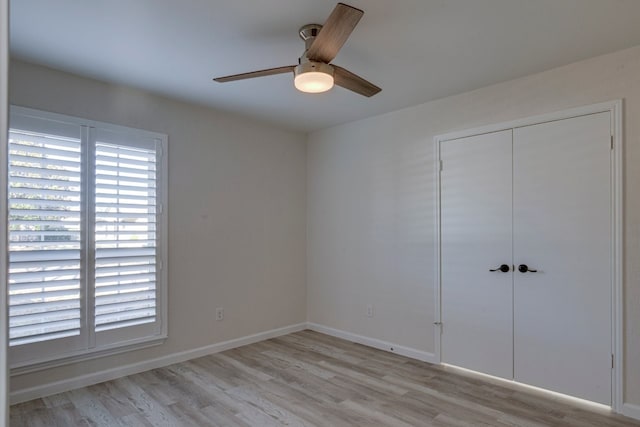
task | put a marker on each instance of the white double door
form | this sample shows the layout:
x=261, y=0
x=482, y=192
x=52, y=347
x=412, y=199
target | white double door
x=538, y=196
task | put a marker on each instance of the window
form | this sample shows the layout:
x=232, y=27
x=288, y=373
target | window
x=87, y=237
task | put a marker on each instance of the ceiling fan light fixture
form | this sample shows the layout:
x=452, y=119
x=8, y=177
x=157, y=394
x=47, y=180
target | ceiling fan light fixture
x=313, y=77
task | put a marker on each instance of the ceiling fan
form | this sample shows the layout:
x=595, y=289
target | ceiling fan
x=314, y=73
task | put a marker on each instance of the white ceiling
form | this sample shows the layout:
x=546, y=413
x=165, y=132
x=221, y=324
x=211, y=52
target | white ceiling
x=416, y=50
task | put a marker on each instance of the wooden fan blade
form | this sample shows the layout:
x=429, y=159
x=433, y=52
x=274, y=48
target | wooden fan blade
x=348, y=80
x=334, y=33
x=251, y=75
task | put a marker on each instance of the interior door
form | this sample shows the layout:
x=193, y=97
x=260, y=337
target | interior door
x=476, y=215
x=562, y=229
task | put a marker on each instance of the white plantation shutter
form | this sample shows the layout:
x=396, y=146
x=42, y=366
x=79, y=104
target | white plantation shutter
x=125, y=235
x=86, y=232
x=44, y=236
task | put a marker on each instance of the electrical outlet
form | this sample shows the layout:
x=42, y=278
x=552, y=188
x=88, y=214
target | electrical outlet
x=219, y=313
x=369, y=310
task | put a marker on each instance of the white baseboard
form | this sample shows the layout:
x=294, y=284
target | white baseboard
x=375, y=343
x=630, y=410
x=122, y=371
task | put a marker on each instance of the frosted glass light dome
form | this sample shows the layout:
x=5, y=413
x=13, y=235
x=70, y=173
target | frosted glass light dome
x=313, y=77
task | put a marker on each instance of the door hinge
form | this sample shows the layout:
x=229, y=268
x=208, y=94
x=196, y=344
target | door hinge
x=439, y=325
x=440, y=165
x=612, y=142
x=612, y=363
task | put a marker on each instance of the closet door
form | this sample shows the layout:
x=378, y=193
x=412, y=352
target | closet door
x=476, y=216
x=562, y=229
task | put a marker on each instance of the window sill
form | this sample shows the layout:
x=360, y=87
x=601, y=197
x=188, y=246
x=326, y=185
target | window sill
x=96, y=353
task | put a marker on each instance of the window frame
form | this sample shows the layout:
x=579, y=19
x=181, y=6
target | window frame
x=122, y=339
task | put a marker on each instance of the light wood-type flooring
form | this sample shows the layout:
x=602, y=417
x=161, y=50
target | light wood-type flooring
x=305, y=379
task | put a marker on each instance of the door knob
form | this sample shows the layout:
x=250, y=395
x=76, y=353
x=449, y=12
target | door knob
x=524, y=268
x=503, y=268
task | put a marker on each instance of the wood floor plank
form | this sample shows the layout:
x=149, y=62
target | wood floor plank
x=306, y=379
x=371, y=416
x=92, y=408
x=146, y=405
x=209, y=416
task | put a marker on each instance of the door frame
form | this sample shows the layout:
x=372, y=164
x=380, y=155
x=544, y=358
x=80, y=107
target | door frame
x=4, y=130
x=615, y=108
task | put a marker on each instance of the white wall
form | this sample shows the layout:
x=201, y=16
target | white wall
x=237, y=213
x=371, y=201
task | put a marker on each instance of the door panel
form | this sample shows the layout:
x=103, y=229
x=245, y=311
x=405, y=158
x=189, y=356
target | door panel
x=562, y=228
x=476, y=215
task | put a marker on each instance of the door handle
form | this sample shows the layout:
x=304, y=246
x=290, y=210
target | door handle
x=524, y=268
x=504, y=268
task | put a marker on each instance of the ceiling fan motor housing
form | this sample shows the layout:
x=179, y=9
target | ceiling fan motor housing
x=309, y=32
x=311, y=66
